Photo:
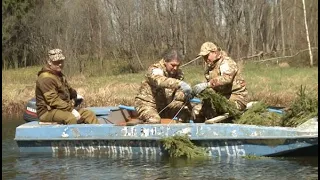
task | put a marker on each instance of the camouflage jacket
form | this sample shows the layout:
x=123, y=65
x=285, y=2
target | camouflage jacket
x=225, y=78
x=53, y=92
x=160, y=89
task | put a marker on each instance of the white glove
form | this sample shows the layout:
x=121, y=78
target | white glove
x=200, y=87
x=76, y=114
x=185, y=87
x=79, y=96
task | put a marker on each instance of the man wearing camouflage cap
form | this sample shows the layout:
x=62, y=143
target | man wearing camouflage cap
x=222, y=75
x=163, y=92
x=54, y=95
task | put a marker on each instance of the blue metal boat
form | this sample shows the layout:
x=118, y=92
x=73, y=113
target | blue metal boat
x=117, y=138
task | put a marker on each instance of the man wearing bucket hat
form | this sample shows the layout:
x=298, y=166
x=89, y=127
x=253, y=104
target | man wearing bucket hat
x=54, y=95
x=222, y=75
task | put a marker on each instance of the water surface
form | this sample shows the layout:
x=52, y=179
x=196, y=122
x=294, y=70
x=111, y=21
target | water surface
x=44, y=166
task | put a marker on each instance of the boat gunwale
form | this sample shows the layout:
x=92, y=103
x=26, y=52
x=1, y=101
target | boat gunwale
x=159, y=138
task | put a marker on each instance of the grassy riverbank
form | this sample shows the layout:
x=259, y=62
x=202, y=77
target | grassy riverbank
x=275, y=85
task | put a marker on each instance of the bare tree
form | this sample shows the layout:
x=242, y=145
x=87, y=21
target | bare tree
x=282, y=30
x=94, y=33
x=307, y=32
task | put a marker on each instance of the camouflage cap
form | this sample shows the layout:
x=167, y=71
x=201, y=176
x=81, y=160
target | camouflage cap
x=206, y=48
x=56, y=55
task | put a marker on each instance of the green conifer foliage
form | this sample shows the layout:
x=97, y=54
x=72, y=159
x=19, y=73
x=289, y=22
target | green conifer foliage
x=181, y=146
x=303, y=108
x=259, y=115
x=219, y=103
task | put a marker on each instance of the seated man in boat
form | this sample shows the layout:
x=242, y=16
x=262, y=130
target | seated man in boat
x=222, y=76
x=54, y=95
x=163, y=93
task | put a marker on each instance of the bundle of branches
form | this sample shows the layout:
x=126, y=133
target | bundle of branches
x=303, y=108
x=259, y=115
x=181, y=146
x=218, y=103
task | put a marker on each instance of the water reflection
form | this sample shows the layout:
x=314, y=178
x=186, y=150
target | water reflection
x=108, y=166
x=151, y=167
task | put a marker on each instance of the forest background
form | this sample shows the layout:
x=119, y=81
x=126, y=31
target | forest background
x=103, y=38
x=136, y=32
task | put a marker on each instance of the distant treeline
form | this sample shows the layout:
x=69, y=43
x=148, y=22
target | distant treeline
x=136, y=32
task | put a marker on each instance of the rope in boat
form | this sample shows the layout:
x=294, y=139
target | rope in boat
x=191, y=61
x=166, y=106
x=178, y=112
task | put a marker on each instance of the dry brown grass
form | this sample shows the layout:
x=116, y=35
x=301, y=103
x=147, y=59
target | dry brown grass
x=100, y=91
x=274, y=85
x=284, y=64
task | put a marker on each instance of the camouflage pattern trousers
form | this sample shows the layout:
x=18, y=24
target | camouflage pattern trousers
x=149, y=112
x=66, y=117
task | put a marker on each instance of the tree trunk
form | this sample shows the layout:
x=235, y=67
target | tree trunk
x=282, y=30
x=100, y=43
x=25, y=57
x=307, y=32
x=293, y=27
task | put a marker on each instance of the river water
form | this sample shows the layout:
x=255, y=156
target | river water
x=21, y=166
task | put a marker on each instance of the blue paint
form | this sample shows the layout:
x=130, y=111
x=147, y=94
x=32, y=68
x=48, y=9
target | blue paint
x=196, y=131
x=275, y=110
x=100, y=111
x=222, y=139
x=130, y=108
x=195, y=100
x=222, y=148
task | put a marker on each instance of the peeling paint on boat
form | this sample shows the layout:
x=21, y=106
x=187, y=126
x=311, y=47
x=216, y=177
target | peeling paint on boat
x=219, y=139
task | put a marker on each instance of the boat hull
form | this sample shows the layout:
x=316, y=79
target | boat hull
x=221, y=139
x=215, y=148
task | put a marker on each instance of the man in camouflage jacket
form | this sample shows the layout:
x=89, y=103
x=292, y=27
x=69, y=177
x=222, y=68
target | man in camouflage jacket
x=222, y=75
x=54, y=95
x=163, y=93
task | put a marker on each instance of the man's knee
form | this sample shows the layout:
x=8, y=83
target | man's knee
x=201, y=112
x=153, y=120
x=65, y=118
x=88, y=116
x=196, y=109
x=240, y=106
x=240, y=101
x=148, y=114
x=150, y=117
x=86, y=112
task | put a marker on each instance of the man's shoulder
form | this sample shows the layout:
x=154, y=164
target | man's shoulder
x=228, y=60
x=47, y=77
x=159, y=64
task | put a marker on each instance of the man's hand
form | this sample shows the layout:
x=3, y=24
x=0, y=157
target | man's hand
x=198, y=88
x=76, y=114
x=186, y=88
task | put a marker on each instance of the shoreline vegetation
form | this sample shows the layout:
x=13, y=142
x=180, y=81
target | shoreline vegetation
x=273, y=84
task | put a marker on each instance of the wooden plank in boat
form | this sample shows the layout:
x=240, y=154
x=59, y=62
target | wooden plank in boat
x=217, y=119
